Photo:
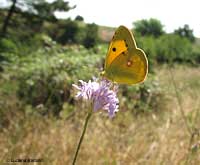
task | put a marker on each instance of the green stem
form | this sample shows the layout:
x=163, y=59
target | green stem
x=82, y=136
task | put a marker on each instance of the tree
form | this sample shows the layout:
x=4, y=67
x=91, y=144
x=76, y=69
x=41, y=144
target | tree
x=7, y=19
x=185, y=32
x=46, y=10
x=173, y=48
x=70, y=31
x=91, y=37
x=40, y=9
x=148, y=27
x=79, y=18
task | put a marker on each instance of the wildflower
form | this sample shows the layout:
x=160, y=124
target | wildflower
x=99, y=94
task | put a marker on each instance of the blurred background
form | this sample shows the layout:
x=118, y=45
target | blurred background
x=47, y=45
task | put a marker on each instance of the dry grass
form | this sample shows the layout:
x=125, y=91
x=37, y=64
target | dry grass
x=153, y=138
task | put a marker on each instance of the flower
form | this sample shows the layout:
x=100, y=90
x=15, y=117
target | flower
x=99, y=94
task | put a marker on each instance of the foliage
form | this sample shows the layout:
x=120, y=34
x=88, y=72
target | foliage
x=148, y=27
x=79, y=18
x=42, y=8
x=33, y=12
x=70, y=31
x=195, y=54
x=45, y=76
x=91, y=37
x=173, y=48
x=40, y=59
x=185, y=32
x=44, y=70
x=20, y=48
x=73, y=32
x=161, y=130
x=148, y=44
x=45, y=80
x=168, y=48
x=143, y=97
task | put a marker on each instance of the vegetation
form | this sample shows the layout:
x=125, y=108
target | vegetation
x=185, y=32
x=149, y=27
x=41, y=56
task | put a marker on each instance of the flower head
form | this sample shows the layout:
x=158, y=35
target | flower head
x=99, y=94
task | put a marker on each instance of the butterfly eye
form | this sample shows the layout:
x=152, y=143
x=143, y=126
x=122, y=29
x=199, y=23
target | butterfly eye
x=114, y=49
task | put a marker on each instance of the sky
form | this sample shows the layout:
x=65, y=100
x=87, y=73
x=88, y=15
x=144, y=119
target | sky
x=172, y=13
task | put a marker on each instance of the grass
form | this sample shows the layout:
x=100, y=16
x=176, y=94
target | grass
x=158, y=137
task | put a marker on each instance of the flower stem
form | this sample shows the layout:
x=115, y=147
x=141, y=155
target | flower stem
x=82, y=136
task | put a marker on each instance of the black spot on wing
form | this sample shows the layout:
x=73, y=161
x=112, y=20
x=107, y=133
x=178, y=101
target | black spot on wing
x=114, y=49
x=126, y=43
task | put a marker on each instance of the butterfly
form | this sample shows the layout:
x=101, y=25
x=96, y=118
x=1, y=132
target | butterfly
x=125, y=63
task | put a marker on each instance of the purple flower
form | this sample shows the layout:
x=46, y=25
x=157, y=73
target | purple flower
x=99, y=94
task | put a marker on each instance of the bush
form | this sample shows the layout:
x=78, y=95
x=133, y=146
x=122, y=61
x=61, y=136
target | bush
x=46, y=81
x=69, y=33
x=185, y=32
x=151, y=27
x=143, y=97
x=91, y=37
x=194, y=57
x=173, y=48
x=20, y=47
x=148, y=44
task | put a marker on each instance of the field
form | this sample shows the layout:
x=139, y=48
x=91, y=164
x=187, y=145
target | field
x=167, y=134
x=42, y=120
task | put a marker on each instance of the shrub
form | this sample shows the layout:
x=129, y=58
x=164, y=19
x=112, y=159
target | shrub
x=91, y=37
x=148, y=44
x=45, y=81
x=142, y=97
x=152, y=27
x=173, y=48
x=69, y=33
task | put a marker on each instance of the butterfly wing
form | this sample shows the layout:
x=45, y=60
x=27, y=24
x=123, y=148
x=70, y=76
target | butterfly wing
x=118, y=44
x=125, y=63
